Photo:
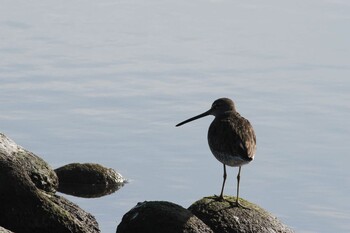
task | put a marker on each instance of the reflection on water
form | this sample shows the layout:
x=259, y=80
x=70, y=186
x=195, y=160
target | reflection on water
x=106, y=82
x=89, y=191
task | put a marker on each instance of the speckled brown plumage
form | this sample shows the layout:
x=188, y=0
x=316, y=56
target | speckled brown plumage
x=231, y=136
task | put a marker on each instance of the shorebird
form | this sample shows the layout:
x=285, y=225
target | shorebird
x=231, y=138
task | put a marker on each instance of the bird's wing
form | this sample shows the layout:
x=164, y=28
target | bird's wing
x=241, y=137
x=247, y=135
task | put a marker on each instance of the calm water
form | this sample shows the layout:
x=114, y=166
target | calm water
x=106, y=82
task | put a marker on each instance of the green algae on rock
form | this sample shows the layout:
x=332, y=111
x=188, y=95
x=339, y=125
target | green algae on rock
x=223, y=216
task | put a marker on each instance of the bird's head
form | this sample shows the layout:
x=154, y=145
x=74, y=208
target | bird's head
x=219, y=107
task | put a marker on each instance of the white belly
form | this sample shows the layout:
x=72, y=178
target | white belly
x=231, y=160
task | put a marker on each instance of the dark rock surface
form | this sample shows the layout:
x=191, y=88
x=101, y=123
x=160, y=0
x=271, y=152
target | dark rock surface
x=40, y=172
x=88, y=180
x=225, y=217
x=27, y=208
x=161, y=217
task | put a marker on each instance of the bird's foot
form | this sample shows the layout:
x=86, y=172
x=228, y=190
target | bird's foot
x=241, y=206
x=219, y=198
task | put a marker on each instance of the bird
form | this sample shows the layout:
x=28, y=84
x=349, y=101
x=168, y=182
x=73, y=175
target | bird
x=231, y=138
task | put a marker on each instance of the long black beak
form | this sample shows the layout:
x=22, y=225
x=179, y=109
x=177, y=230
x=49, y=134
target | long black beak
x=196, y=117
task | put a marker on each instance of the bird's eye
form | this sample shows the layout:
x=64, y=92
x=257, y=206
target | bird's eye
x=216, y=105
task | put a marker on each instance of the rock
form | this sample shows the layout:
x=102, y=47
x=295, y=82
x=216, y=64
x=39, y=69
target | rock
x=40, y=172
x=3, y=230
x=225, y=217
x=88, y=180
x=27, y=208
x=161, y=217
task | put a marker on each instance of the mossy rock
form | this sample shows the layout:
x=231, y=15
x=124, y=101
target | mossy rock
x=39, y=171
x=224, y=216
x=161, y=217
x=88, y=180
x=27, y=208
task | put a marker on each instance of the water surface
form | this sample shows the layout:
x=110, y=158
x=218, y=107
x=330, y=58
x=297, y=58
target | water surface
x=107, y=81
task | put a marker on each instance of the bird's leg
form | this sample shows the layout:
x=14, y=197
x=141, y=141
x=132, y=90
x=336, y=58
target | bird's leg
x=223, y=184
x=238, y=179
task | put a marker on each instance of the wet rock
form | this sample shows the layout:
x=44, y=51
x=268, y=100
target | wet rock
x=160, y=217
x=88, y=180
x=224, y=216
x=27, y=208
x=40, y=172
